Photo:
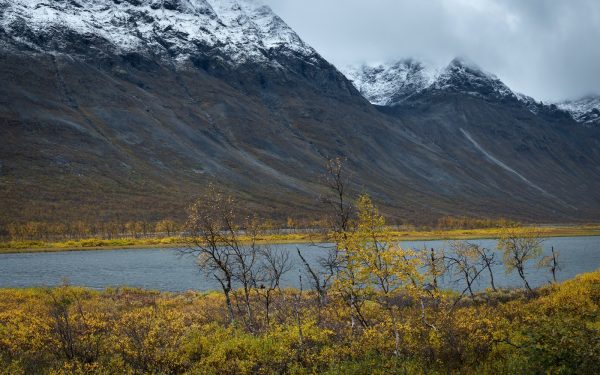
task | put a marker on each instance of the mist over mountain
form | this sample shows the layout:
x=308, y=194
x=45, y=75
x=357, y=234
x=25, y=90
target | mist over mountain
x=130, y=108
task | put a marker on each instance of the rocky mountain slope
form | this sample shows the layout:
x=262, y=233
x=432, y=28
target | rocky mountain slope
x=129, y=108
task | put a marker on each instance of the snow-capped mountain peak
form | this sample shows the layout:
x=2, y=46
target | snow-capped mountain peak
x=236, y=30
x=585, y=110
x=466, y=77
x=405, y=80
x=391, y=83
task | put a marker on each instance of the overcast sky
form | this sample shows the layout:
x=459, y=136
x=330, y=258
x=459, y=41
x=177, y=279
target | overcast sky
x=549, y=49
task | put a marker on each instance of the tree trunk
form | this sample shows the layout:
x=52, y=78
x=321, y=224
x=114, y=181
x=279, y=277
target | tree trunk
x=229, y=307
x=522, y=275
x=226, y=286
x=396, y=331
x=491, y=277
x=267, y=307
x=554, y=265
x=469, y=284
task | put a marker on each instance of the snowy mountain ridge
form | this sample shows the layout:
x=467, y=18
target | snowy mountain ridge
x=392, y=83
x=239, y=31
x=389, y=84
x=585, y=110
x=464, y=76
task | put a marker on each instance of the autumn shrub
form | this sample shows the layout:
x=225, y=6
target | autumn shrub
x=71, y=330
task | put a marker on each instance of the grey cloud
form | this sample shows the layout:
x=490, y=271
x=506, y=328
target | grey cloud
x=549, y=49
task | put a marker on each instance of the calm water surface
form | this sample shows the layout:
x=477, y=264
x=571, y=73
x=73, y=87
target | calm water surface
x=167, y=270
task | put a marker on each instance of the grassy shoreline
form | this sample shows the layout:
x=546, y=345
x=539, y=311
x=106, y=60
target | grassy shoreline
x=300, y=237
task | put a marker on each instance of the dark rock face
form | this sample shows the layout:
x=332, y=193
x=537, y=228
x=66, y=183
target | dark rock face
x=94, y=130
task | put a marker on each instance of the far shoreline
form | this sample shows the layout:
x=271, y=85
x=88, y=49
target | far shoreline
x=17, y=247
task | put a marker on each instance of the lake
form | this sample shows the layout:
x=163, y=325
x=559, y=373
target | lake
x=168, y=270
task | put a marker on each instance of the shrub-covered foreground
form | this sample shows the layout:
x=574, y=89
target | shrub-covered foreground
x=73, y=330
x=373, y=307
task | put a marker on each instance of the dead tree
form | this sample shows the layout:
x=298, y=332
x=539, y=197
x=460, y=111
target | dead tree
x=337, y=181
x=555, y=266
x=488, y=259
x=462, y=262
x=551, y=262
x=342, y=224
x=435, y=266
x=275, y=264
x=246, y=262
x=340, y=212
x=318, y=281
x=210, y=241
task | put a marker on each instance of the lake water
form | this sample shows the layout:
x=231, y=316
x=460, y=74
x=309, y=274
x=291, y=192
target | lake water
x=168, y=270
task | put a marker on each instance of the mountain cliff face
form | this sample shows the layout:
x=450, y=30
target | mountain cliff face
x=128, y=109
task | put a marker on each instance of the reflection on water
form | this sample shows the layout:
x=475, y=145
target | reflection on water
x=167, y=270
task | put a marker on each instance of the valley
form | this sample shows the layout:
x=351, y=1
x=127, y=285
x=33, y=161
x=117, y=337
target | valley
x=321, y=187
x=107, y=119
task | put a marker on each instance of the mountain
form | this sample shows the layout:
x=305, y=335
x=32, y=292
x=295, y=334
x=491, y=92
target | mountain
x=145, y=101
x=390, y=84
x=397, y=82
x=115, y=109
x=173, y=30
x=393, y=83
x=585, y=110
x=465, y=77
x=471, y=116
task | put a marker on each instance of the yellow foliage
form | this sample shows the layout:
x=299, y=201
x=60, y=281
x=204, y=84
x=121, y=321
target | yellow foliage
x=131, y=331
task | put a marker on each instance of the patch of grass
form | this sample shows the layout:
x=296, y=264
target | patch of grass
x=465, y=234
x=283, y=238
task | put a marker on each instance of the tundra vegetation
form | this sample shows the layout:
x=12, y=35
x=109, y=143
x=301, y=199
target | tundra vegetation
x=33, y=231
x=370, y=307
x=270, y=233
